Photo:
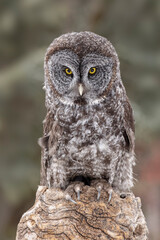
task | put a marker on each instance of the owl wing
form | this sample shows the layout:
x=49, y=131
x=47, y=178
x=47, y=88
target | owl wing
x=47, y=126
x=44, y=144
x=128, y=126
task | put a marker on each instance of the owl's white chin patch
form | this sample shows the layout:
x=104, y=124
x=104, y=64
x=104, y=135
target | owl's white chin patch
x=70, y=102
x=66, y=101
x=96, y=101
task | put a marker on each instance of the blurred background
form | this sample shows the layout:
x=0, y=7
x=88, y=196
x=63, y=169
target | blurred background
x=26, y=30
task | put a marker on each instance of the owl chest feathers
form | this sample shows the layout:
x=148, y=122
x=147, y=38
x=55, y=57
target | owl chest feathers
x=86, y=139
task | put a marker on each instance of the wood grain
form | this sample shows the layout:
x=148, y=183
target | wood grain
x=53, y=217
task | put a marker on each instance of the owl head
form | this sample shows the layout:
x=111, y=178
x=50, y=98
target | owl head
x=80, y=68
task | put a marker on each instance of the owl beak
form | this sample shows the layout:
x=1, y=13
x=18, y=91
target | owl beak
x=80, y=89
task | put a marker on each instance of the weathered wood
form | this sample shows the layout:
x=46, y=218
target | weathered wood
x=53, y=217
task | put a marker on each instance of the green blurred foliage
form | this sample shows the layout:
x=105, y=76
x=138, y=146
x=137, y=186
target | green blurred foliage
x=26, y=30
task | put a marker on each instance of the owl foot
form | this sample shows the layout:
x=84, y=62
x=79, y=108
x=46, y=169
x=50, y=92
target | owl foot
x=71, y=190
x=108, y=189
x=68, y=193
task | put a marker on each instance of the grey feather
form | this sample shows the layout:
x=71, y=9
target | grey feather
x=93, y=134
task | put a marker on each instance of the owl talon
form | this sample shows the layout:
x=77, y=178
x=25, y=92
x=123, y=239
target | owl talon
x=68, y=198
x=99, y=187
x=77, y=189
x=99, y=194
x=110, y=195
x=78, y=195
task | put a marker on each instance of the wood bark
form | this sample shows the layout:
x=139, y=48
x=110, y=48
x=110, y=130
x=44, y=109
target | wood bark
x=52, y=217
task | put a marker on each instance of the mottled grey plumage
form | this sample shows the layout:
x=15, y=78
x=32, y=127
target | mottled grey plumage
x=90, y=135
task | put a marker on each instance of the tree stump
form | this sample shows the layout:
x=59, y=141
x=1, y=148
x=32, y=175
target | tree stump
x=53, y=217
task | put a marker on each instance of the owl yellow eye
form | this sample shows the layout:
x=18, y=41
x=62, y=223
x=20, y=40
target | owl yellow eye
x=92, y=70
x=68, y=71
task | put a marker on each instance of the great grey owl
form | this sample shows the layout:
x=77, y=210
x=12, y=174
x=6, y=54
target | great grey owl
x=89, y=126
